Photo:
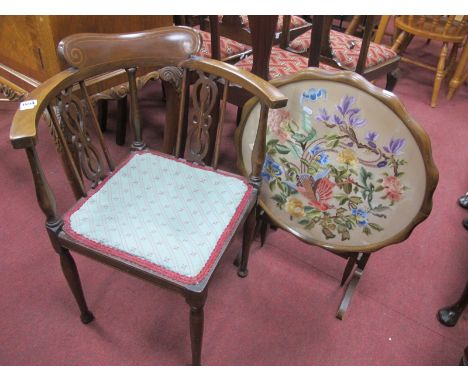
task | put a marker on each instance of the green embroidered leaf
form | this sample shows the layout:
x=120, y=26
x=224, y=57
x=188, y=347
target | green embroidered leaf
x=272, y=185
x=278, y=198
x=312, y=134
x=310, y=225
x=376, y=226
x=348, y=187
x=355, y=199
x=340, y=211
x=303, y=222
x=272, y=142
x=345, y=235
x=380, y=208
x=282, y=149
x=379, y=188
x=328, y=234
x=299, y=137
x=367, y=231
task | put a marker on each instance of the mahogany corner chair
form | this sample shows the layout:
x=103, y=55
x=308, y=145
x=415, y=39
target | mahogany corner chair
x=346, y=169
x=109, y=221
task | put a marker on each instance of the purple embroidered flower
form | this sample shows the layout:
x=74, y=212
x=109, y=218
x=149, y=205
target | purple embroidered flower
x=337, y=119
x=345, y=105
x=356, y=121
x=382, y=163
x=323, y=116
x=395, y=146
x=370, y=138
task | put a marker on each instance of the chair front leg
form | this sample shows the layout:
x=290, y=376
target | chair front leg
x=196, y=303
x=248, y=236
x=71, y=275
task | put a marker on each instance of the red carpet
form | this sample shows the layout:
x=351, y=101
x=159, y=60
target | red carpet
x=283, y=313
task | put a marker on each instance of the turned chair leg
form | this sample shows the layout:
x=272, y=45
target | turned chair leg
x=449, y=315
x=458, y=77
x=71, y=275
x=248, y=236
x=439, y=74
x=361, y=261
x=196, y=304
x=121, y=129
x=401, y=37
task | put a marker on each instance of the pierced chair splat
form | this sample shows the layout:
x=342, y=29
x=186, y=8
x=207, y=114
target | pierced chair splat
x=346, y=169
x=121, y=214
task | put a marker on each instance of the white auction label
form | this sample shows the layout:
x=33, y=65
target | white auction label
x=31, y=104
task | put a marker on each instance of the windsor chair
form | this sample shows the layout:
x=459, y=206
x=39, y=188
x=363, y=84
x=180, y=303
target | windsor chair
x=119, y=216
x=445, y=29
x=346, y=169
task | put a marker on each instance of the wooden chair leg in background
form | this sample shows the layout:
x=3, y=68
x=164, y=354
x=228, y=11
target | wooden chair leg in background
x=102, y=107
x=381, y=29
x=121, y=127
x=392, y=78
x=439, y=74
x=196, y=303
x=71, y=275
x=360, y=260
x=449, y=315
x=399, y=41
x=460, y=74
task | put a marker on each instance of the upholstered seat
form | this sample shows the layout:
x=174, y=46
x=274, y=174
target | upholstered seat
x=282, y=63
x=179, y=233
x=346, y=49
x=228, y=47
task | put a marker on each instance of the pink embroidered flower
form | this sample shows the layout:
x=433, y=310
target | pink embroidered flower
x=393, y=188
x=277, y=120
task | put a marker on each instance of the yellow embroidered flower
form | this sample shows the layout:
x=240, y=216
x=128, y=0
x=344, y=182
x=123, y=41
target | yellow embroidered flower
x=295, y=207
x=347, y=156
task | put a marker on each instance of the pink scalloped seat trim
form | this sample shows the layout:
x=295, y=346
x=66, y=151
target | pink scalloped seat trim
x=143, y=262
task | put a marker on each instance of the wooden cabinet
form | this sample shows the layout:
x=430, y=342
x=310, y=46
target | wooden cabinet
x=28, y=44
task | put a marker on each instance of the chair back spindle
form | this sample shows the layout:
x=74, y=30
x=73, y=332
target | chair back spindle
x=135, y=122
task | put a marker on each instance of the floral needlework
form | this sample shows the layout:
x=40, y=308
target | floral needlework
x=328, y=168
